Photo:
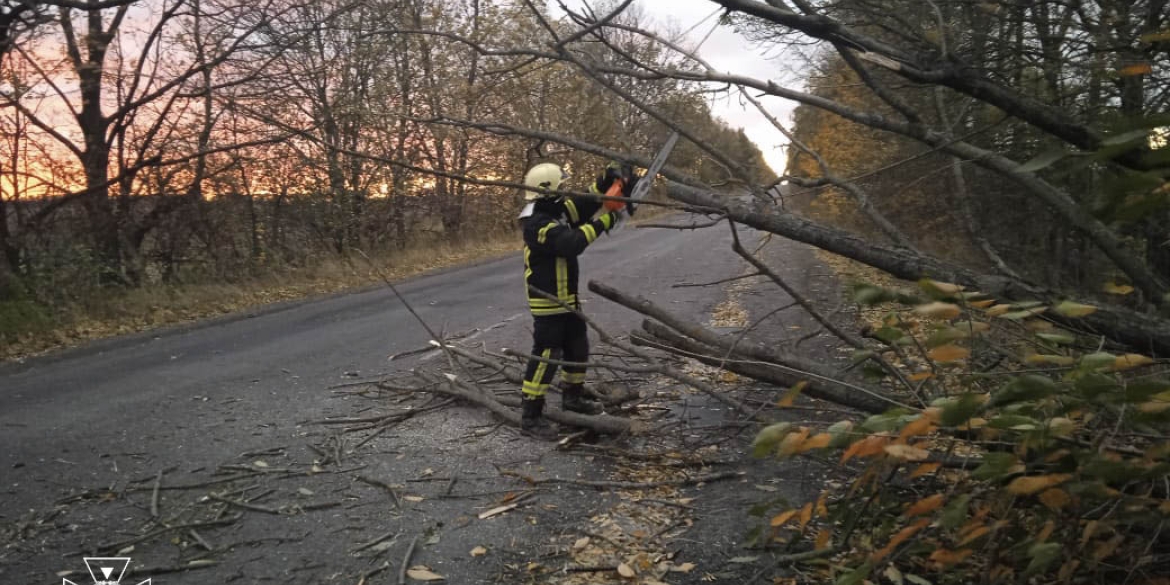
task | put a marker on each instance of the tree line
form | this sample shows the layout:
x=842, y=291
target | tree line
x=157, y=141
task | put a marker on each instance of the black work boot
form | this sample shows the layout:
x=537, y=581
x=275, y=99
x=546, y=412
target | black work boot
x=532, y=421
x=574, y=399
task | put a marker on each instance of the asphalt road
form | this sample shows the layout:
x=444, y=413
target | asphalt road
x=92, y=399
x=103, y=414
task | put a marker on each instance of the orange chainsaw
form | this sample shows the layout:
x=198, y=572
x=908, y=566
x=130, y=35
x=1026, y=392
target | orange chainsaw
x=642, y=185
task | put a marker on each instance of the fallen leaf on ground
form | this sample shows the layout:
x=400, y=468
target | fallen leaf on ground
x=497, y=511
x=1030, y=485
x=948, y=353
x=625, y=571
x=783, y=517
x=938, y=310
x=907, y=452
x=581, y=543
x=925, y=506
x=683, y=568
x=422, y=573
x=925, y=469
x=946, y=557
x=413, y=498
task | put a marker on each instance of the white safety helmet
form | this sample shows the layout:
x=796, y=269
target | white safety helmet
x=543, y=176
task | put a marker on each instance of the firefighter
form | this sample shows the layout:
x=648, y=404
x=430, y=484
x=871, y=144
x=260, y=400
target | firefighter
x=557, y=229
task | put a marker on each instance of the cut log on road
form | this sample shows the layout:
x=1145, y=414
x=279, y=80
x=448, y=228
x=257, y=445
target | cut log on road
x=1143, y=332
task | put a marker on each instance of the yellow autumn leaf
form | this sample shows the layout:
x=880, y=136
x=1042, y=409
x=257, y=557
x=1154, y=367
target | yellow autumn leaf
x=866, y=447
x=998, y=310
x=819, y=441
x=907, y=452
x=1066, y=570
x=806, y=514
x=944, y=287
x=823, y=539
x=422, y=573
x=1135, y=70
x=925, y=506
x=1023, y=486
x=1061, y=426
x=783, y=517
x=1054, y=499
x=946, y=557
x=920, y=376
x=1131, y=360
x=973, y=424
x=932, y=414
x=1056, y=360
x=982, y=304
x=939, y=310
x=1118, y=289
x=1154, y=406
x=948, y=353
x=899, y=538
x=790, y=396
x=1046, y=531
x=971, y=326
x=1089, y=531
x=924, y=469
x=791, y=442
x=1106, y=549
x=974, y=535
x=916, y=427
x=1071, y=309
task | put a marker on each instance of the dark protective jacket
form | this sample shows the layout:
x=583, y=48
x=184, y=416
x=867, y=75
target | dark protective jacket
x=554, y=235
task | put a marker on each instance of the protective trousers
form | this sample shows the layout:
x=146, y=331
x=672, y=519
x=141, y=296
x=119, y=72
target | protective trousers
x=559, y=337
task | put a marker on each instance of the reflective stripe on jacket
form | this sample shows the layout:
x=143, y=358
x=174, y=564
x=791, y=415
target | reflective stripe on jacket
x=554, y=235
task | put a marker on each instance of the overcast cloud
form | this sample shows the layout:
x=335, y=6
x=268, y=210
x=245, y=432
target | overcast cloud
x=726, y=51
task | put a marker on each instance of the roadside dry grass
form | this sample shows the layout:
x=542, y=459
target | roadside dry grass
x=120, y=312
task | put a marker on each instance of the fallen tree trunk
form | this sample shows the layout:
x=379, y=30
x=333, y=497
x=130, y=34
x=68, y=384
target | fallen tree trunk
x=1143, y=332
x=821, y=377
x=658, y=336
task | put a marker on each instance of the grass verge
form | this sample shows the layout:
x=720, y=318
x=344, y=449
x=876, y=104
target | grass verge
x=28, y=328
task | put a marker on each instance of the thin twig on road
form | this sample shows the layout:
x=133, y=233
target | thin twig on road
x=406, y=561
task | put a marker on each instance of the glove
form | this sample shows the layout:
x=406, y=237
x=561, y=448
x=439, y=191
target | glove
x=614, y=216
x=616, y=170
